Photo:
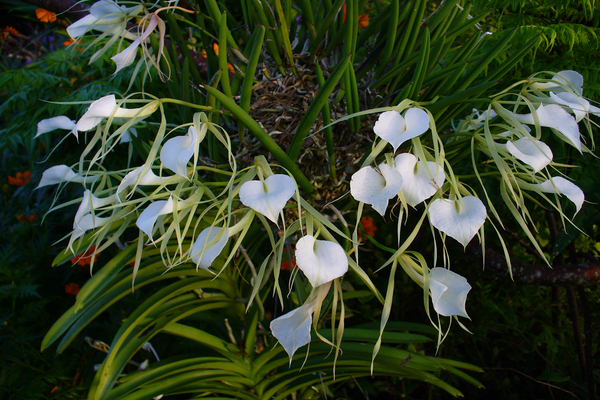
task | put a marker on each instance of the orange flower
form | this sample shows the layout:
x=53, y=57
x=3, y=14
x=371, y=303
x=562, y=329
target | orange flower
x=287, y=260
x=216, y=50
x=72, y=288
x=45, y=15
x=20, y=179
x=11, y=30
x=70, y=42
x=85, y=258
x=367, y=224
x=24, y=218
x=363, y=21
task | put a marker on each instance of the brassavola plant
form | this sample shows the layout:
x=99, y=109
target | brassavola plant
x=223, y=207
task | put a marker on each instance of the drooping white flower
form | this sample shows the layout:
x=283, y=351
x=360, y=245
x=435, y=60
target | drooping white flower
x=105, y=15
x=559, y=185
x=532, y=152
x=580, y=106
x=321, y=261
x=149, y=178
x=396, y=129
x=459, y=219
x=293, y=329
x=572, y=79
x=448, y=292
x=86, y=223
x=555, y=117
x=177, y=152
x=203, y=252
x=148, y=217
x=374, y=188
x=268, y=197
x=416, y=183
x=127, y=56
x=62, y=173
x=86, y=218
x=50, y=124
x=107, y=106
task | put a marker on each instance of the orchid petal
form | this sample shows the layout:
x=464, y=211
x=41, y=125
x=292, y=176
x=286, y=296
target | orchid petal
x=131, y=178
x=395, y=129
x=572, y=79
x=371, y=187
x=203, y=253
x=578, y=105
x=321, y=261
x=50, y=124
x=269, y=196
x=90, y=203
x=448, y=292
x=104, y=15
x=459, y=219
x=177, y=152
x=534, y=153
x=86, y=223
x=126, y=137
x=565, y=187
x=148, y=217
x=62, y=173
x=555, y=117
x=293, y=329
x=126, y=57
x=106, y=106
x=416, y=183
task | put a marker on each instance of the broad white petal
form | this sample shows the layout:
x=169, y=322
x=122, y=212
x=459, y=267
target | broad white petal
x=293, y=329
x=395, y=129
x=578, y=105
x=126, y=137
x=416, y=184
x=50, y=124
x=86, y=223
x=321, y=261
x=126, y=57
x=268, y=197
x=98, y=110
x=459, y=219
x=62, y=173
x=448, y=292
x=203, y=252
x=131, y=178
x=573, y=79
x=371, y=187
x=563, y=186
x=148, y=217
x=80, y=27
x=532, y=152
x=554, y=116
x=89, y=203
x=177, y=152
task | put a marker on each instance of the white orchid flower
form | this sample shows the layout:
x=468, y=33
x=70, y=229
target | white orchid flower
x=209, y=244
x=107, y=106
x=126, y=137
x=559, y=185
x=555, y=117
x=321, y=261
x=62, y=173
x=85, y=218
x=51, y=124
x=580, y=106
x=478, y=119
x=417, y=185
x=448, y=292
x=105, y=15
x=293, y=329
x=396, y=129
x=132, y=177
x=86, y=223
x=177, y=152
x=532, y=152
x=459, y=219
x=148, y=217
x=374, y=188
x=127, y=56
x=268, y=197
x=572, y=79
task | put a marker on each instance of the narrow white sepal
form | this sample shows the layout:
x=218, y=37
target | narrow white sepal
x=374, y=188
x=268, y=197
x=203, y=253
x=448, y=292
x=293, y=329
x=416, y=184
x=396, y=129
x=532, y=152
x=321, y=261
x=459, y=219
x=148, y=217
